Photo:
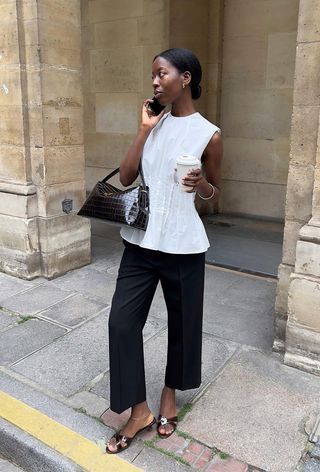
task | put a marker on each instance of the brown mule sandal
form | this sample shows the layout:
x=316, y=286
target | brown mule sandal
x=122, y=442
x=162, y=421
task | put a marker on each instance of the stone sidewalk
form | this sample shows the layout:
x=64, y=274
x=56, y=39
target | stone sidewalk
x=6, y=466
x=251, y=412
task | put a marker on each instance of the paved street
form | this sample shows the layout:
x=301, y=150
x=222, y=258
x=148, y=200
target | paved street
x=249, y=413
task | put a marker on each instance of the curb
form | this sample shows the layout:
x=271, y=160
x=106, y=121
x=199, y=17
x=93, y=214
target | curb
x=29, y=453
x=38, y=443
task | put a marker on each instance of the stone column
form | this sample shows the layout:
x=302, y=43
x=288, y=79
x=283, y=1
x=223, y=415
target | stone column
x=297, y=323
x=19, y=243
x=41, y=142
x=302, y=346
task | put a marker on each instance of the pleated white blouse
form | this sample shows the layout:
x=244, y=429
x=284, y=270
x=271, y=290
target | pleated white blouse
x=174, y=225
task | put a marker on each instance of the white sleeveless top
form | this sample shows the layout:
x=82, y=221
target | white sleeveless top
x=174, y=225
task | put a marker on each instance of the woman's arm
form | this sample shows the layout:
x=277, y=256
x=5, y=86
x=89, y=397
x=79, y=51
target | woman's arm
x=212, y=161
x=129, y=166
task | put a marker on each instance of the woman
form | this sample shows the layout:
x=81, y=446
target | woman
x=171, y=250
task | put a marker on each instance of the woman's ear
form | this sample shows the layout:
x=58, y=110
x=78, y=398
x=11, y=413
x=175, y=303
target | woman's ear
x=186, y=77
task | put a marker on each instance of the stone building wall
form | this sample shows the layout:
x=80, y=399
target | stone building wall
x=247, y=86
x=297, y=320
x=214, y=60
x=41, y=140
x=119, y=41
x=198, y=26
x=256, y=104
x=118, y=45
x=18, y=198
x=189, y=28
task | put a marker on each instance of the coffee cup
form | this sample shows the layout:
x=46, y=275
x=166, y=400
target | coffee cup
x=185, y=164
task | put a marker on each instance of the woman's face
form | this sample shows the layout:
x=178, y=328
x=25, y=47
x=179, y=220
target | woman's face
x=166, y=81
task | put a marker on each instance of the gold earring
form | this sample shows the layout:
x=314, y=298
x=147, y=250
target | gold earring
x=183, y=85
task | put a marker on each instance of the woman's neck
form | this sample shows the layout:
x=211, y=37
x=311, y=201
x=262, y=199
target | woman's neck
x=182, y=108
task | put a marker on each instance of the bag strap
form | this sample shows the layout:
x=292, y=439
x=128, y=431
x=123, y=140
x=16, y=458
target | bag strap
x=114, y=172
x=110, y=175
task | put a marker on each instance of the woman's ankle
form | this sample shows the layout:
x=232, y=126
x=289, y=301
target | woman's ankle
x=168, y=402
x=168, y=391
x=141, y=417
x=140, y=410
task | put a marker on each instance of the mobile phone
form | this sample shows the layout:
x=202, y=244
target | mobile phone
x=156, y=107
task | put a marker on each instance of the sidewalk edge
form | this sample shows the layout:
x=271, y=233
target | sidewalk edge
x=63, y=441
x=29, y=453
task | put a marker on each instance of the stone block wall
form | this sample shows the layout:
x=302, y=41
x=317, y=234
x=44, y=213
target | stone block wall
x=19, y=242
x=247, y=50
x=41, y=140
x=215, y=58
x=297, y=320
x=119, y=41
x=198, y=25
x=188, y=28
x=118, y=45
x=256, y=104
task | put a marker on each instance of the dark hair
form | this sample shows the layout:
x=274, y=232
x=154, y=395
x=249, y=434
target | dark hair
x=185, y=60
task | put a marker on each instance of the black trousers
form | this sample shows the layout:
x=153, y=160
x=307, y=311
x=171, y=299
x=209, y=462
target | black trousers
x=182, y=281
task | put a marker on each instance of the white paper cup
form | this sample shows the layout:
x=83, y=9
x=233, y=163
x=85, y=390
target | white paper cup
x=185, y=164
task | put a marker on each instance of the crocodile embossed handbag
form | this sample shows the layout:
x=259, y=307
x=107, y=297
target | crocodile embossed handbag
x=129, y=207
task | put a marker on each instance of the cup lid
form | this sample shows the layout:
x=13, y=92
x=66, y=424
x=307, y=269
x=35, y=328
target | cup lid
x=188, y=160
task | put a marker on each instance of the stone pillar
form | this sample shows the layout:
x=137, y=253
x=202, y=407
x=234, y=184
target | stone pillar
x=41, y=140
x=302, y=346
x=19, y=243
x=297, y=322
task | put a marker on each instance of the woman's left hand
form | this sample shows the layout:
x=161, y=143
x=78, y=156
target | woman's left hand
x=193, y=180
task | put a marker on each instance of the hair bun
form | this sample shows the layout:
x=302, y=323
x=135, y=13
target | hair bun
x=196, y=90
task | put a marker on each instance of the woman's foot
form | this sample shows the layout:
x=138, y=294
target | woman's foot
x=168, y=410
x=122, y=439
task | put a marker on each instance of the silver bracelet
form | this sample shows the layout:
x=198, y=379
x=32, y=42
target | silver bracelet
x=208, y=198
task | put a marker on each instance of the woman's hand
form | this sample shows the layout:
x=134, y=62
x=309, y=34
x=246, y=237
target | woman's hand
x=148, y=119
x=129, y=166
x=194, y=179
x=212, y=166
